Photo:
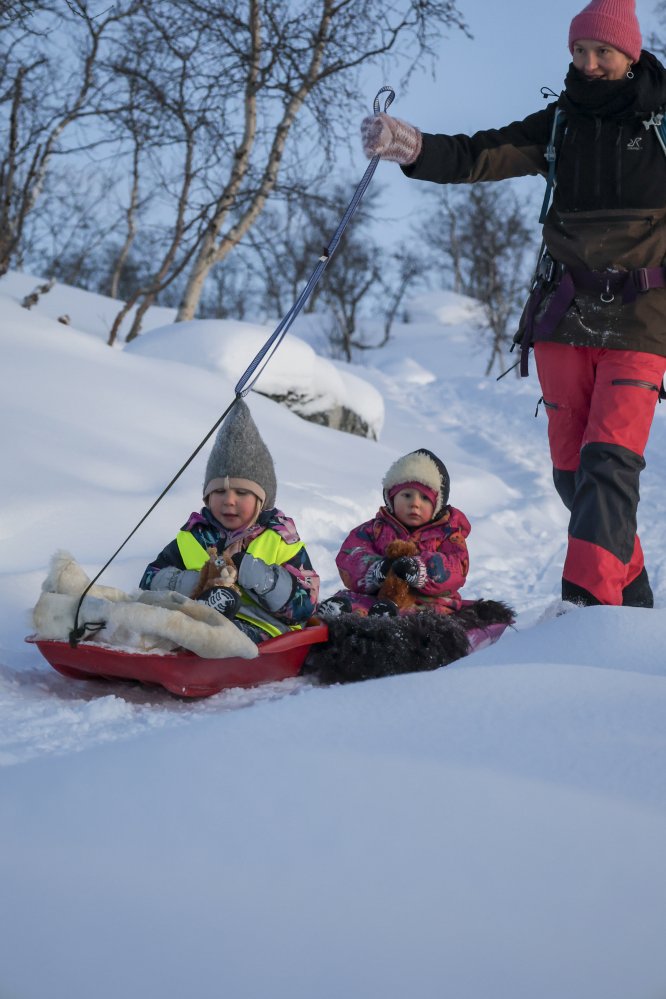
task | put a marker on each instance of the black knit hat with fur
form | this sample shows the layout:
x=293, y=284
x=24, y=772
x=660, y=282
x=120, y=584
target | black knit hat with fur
x=419, y=466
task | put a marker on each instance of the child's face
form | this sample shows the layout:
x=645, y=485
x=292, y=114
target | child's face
x=234, y=508
x=412, y=508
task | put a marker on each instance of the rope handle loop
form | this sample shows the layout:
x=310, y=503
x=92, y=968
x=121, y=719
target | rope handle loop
x=387, y=103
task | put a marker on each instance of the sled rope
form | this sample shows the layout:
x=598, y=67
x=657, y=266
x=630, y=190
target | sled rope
x=259, y=362
x=81, y=631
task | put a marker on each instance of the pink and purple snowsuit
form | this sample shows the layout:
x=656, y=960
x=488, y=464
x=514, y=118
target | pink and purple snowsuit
x=442, y=549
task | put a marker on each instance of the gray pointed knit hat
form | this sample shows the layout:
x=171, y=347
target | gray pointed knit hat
x=240, y=453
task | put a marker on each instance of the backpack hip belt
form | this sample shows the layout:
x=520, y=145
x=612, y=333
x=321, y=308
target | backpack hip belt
x=565, y=283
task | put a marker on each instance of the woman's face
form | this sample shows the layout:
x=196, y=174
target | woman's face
x=599, y=61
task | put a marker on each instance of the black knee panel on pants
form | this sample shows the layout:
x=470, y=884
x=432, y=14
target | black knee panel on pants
x=606, y=498
x=565, y=483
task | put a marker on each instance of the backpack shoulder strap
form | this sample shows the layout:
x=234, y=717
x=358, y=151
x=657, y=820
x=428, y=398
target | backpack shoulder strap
x=559, y=121
x=657, y=121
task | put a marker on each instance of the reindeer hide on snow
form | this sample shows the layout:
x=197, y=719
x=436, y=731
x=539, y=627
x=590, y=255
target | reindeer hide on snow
x=144, y=620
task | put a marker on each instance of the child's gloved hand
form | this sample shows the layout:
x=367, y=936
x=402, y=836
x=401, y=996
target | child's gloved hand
x=180, y=580
x=390, y=139
x=409, y=568
x=253, y=573
x=378, y=571
x=272, y=583
x=222, y=599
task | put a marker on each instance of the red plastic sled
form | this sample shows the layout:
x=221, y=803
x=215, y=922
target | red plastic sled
x=187, y=675
x=481, y=638
x=184, y=673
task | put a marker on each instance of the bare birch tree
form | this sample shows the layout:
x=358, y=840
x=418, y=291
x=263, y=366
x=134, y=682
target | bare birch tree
x=165, y=113
x=42, y=96
x=359, y=298
x=291, y=56
x=199, y=111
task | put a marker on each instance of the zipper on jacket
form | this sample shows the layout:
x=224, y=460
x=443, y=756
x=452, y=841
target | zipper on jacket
x=597, y=160
x=576, y=159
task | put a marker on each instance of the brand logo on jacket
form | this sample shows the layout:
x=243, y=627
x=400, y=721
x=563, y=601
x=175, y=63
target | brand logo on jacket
x=635, y=143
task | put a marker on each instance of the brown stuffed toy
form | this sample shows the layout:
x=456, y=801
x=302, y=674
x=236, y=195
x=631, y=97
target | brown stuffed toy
x=217, y=571
x=394, y=588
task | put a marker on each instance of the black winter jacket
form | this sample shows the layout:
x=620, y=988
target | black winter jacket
x=609, y=203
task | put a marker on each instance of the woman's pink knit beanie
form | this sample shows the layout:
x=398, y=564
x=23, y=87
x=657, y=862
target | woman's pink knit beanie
x=612, y=21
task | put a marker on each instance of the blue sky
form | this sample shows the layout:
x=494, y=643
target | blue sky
x=496, y=76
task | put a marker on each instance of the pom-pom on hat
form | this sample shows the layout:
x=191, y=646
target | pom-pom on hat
x=421, y=469
x=611, y=21
x=240, y=458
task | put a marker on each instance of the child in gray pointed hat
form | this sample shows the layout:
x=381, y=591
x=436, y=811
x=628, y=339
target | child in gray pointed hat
x=276, y=588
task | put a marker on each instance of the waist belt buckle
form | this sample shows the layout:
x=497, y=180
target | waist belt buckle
x=641, y=279
x=546, y=268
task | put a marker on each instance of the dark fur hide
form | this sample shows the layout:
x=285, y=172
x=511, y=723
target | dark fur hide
x=484, y=612
x=364, y=648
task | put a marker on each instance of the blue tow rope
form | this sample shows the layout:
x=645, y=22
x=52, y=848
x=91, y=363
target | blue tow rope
x=252, y=372
x=259, y=362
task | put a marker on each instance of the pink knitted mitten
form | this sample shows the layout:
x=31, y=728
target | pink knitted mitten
x=390, y=139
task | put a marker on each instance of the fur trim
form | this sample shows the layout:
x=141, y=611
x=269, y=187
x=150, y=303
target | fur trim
x=363, y=648
x=158, y=620
x=66, y=576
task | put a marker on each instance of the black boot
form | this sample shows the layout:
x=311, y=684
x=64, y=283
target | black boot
x=383, y=608
x=639, y=592
x=333, y=607
x=575, y=594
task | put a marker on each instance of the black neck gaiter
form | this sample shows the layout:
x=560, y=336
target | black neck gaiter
x=599, y=98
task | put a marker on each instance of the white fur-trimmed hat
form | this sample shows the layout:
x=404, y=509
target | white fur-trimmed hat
x=423, y=467
x=239, y=453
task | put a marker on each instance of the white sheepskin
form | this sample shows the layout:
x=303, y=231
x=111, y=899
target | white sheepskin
x=146, y=620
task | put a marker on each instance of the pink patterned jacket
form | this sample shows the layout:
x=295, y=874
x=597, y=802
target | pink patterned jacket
x=442, y=549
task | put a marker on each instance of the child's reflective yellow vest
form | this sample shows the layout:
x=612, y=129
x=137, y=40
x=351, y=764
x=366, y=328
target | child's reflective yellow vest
x=271, y=549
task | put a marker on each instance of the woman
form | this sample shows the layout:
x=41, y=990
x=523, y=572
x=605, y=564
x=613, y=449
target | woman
x=597, y=314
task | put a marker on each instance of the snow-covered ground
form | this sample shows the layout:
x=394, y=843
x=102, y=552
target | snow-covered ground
x=492, y=829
